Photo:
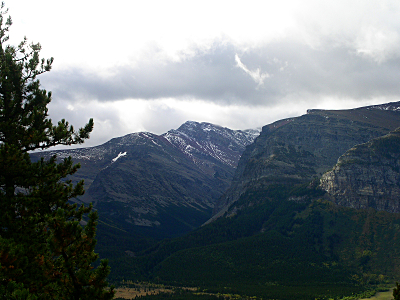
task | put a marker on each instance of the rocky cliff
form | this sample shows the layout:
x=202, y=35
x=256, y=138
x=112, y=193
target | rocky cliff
x=367, y=175
x=297, y=150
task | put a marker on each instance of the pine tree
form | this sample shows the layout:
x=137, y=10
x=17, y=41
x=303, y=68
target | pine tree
x=45, y=251
x=396, y=292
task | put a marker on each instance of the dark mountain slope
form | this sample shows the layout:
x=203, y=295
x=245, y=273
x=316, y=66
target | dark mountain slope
x=155, y=185
x=276, y=248
x=299, y=149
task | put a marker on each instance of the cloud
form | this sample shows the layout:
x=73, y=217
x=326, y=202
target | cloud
x=369, y=28
x=210, y=75
x=227, y=75
x=107, y=118
x=157, y=95
x=305, y=50
x=380, y=45
x=257, y=76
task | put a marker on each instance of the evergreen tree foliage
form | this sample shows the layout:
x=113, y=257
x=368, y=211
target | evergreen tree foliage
x=45, y=251
x=396, y=292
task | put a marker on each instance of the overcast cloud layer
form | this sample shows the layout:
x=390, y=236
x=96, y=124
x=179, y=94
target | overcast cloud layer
x=239, y=67
x=263, y=76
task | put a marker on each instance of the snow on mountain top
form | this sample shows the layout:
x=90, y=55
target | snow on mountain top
x=190, y=127
x=191, y=137
x=219, y=142
x=133, y=137
x=393, y=106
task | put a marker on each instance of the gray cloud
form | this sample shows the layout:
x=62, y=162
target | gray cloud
x=293, y=70
x=208, y=76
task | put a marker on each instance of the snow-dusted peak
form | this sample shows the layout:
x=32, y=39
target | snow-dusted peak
x=190, y=125
x=254, y=133
x=393, y=106
x=133, y=138
x=194, y=129
x=196, y=139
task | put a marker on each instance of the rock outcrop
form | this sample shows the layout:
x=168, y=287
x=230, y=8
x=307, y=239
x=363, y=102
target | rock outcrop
x=367, y=175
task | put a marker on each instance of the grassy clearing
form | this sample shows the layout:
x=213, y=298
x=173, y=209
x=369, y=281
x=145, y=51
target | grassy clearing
x=382, y=296
x=155, y=291
x=132, y=290
x=131, y=293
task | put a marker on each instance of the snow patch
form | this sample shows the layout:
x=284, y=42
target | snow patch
x=118, y=156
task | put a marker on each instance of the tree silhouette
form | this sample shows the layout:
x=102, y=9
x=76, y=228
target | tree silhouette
x=46, y=251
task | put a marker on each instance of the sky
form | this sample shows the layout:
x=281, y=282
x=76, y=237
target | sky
x=152, y=65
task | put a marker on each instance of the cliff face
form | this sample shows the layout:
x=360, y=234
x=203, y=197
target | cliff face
x=368, y=175
x=297, y=150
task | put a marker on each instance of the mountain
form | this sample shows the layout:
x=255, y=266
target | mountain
x=300, y=149
x=160, y=185
x=312, y=212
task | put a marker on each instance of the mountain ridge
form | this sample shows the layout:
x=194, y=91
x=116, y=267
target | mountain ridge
x=305, y=147
x=167, y=183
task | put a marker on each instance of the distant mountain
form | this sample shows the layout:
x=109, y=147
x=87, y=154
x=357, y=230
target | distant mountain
x=197, y=140
x=162, y=185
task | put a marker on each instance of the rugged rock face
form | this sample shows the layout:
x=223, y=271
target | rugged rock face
x=368, y=175
x=167, y=182
x=297, y=150
x=200, y=141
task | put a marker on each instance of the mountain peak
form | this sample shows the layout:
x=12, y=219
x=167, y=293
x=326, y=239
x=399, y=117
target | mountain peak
x=190, y=126
x=393, y=106
x=198, y=139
